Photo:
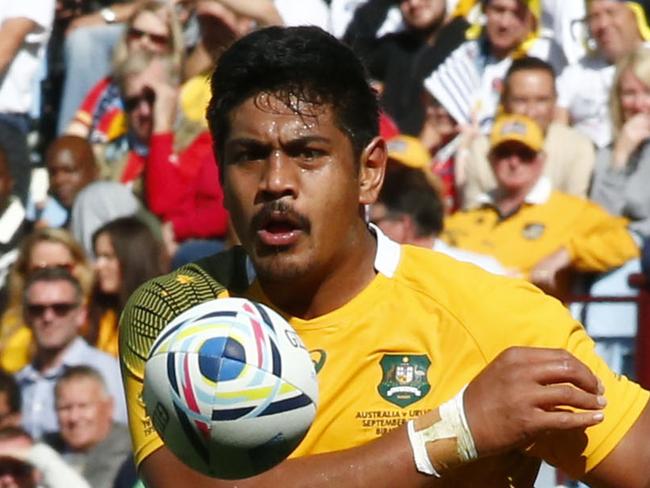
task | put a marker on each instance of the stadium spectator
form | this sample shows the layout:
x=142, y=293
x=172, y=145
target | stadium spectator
x=28, y=464
x=617, y=27
x=170, y=160
x=401, y=61
x=55, y=311
x=529, y=89
x=531, y=228
x=301, y=159
x=13, y=225
x=469, y=82
x=623, y=168
x=43, y=248
x=409, y=210
x=126, y=255
x=447, y=142
x=152, y=27
x=24, y=30
x=91, y=34
x=88, y=438
x=71, y=166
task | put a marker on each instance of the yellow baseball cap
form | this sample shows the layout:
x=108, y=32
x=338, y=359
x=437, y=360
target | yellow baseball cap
x=519, y=128
x=409, y=151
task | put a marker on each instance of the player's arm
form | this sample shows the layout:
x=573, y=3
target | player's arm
x=514, y=399
x=13, y=32
x=622, y=467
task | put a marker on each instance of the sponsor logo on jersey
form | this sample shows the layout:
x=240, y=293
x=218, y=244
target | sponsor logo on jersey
x=318, y=357
x=404, y=378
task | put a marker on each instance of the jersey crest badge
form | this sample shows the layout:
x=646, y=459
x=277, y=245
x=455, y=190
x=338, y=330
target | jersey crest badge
x=533, y=231
x=404, y=378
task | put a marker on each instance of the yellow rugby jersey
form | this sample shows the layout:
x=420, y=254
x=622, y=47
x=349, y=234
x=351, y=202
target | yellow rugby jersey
x=596, y=240
x=423, y=328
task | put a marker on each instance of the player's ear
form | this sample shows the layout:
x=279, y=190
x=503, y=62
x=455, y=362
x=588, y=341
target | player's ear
x=371, y=170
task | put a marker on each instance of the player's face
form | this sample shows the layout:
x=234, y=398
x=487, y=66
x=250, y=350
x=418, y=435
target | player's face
x=516, y=167
x=422, y=14
x=508, y=22
x=84, y=412
x=634, y=95
x=107, y=265
x=613, y=26
x=292, y=187
x=53, y=312
x=532, y=93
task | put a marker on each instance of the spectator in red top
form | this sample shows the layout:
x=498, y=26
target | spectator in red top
x=169, y=160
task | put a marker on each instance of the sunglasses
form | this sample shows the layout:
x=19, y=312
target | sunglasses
x=60, y=309
x=525, y=154
x=135, y=34
x=147, y=95
x=66, y=266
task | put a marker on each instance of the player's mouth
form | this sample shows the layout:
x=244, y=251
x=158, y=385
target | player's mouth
x=280, y=229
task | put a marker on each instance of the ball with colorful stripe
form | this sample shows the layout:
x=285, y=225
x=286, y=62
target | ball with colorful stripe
x=230, y=388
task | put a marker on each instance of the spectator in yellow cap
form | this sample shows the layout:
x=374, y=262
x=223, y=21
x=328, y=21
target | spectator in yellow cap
x=617, y=28
x=531, y=228
x=529, y=89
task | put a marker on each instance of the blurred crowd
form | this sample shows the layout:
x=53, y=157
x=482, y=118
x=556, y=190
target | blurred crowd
x=518, y=139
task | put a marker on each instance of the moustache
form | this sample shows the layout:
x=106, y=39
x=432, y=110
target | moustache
x=280, y=211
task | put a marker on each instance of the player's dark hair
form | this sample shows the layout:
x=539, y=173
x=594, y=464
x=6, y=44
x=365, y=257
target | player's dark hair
x=527, y=63
x=407, y=191
x=303, y=64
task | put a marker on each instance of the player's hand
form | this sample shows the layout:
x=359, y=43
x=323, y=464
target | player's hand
x=526, y=392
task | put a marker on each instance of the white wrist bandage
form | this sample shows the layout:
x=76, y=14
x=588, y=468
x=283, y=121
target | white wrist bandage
x=452, y=426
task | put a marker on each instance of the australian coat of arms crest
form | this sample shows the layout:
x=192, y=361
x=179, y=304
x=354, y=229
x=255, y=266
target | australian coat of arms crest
x=404, y=378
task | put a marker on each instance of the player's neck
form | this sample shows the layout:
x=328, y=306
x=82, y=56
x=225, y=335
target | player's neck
x=330, y=287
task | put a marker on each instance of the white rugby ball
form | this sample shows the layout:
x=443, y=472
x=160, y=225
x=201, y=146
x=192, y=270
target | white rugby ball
x=230, y=388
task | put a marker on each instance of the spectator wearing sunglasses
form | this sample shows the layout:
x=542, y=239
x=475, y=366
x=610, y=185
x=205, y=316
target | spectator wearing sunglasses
x=153, y=27
x=42, y=248
x=166, y=158
x=55, y=311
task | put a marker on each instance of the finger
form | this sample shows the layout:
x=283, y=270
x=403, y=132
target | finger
x=567, y=420
x=566, y=369
x=552, y=397
x=548, y=366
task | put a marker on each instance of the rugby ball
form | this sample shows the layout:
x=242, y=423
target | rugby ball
x=230, y=388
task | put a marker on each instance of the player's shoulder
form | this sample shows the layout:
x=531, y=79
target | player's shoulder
x=196, y=281
x=158, y=301
x=496, y=311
